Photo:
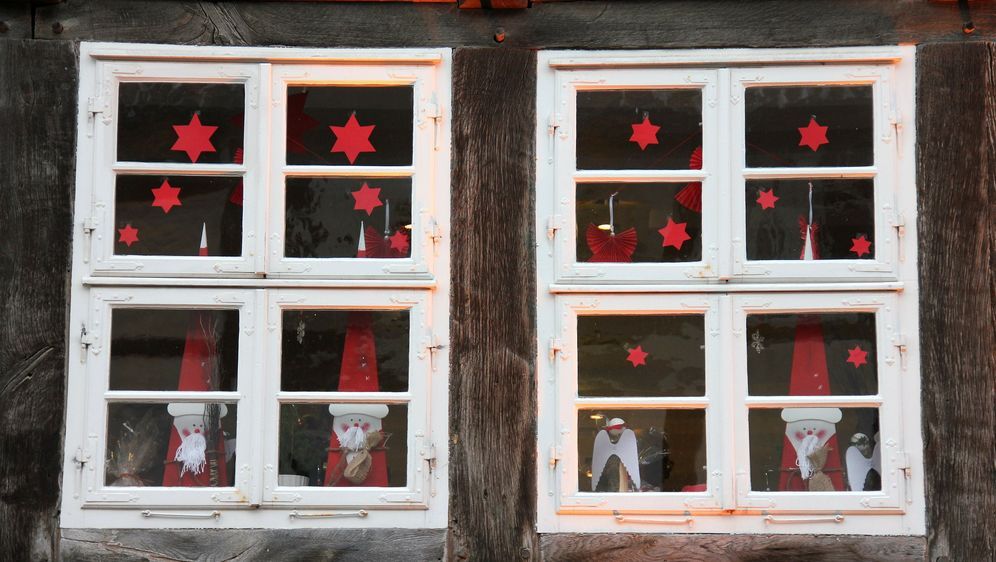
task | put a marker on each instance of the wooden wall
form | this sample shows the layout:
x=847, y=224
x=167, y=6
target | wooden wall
x=492, y=472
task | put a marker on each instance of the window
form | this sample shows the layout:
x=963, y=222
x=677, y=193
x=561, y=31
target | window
x=260, y=289
x=725, y=275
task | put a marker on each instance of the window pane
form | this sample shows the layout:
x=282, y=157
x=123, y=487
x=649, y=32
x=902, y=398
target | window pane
x=815, y=450
x=843, y=219
x=200, y=123
x=325, y=215
x=639, y=129
x=809, y=126
x=178, y=444
x=178, y=216
x=646, y=222
x=828, y=354
x=641, y=451
x=641, y=355
x=343, y=445
x=168, y=350
x=361, y=125
x=345, y=351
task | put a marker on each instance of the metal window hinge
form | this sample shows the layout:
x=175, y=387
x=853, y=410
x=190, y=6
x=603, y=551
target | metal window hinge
x=903, y=464
x=896, y=120
x=431, y=346
x=556, y=346
x=900, y=342
x=435, y=231
x=553, y=125
x=554, y=456
x=81, y=457
x=899, y=223
x=553, y=224
x=96, y=105
x=434, y=112
x=87, y=339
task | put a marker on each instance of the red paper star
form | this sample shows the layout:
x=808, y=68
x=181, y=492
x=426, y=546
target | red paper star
x=367, y=198
x=813, y=135
x=166, y=196
x=399, y=242
x=352, y=139
x=767, y=199
x=857, y=356
x=861, y=245
x=644, y=133
x=637, y=356
x=128, y=234
x=674, y=234
x=194, y=138
x=298, y=122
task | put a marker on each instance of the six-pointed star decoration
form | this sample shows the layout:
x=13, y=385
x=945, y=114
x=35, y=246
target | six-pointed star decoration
x=166, y=196
x=637, y=356
x=128, y=235
x=813, y=135
x=861, y=245
x=857, y=356
x=194, y=138
x=674, y=234
x=352, y=138
x=399, y=242
x=766, y=199
x=367, y=198
x=645, y=133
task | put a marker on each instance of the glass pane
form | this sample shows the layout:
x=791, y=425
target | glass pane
x=646, y=222
x=343, y=445
x=641, y=451
x=179, y=444
x=809, y=126
x=361, y=125
x=200, y=123
x=639, y=129
x=159, y=349
x=829, y=354
x=641, y=355
x=815, y=450
x=345, y=351
x=325, y=215
x=178, y=216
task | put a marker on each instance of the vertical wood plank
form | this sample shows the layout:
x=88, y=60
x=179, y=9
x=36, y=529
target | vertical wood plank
x=956, y=167
x=493, y=309
x=37, y=108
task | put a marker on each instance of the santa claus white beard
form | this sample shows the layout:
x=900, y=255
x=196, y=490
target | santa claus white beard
x=190, y=454
x=354, y=439
x=809, y=444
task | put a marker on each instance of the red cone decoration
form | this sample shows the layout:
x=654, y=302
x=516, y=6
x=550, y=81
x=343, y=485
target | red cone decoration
x=690, y=196
x=608, y=247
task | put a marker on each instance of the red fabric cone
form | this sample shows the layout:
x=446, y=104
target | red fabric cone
x=690, y=197
x=607, y=247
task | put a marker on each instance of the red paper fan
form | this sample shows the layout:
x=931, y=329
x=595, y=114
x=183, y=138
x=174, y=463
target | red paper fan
x=379, y=246
x=608, y=247
x=690, y=196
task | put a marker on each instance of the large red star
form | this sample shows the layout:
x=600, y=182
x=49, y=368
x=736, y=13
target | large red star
x=644, y=133
x=861, y=245
x=166, y=196
x=128, y=234
x=399, y=242
x=857, y=356
x=767, y=199
x=637, y=356
x=813, y=135
x=352, y=138
x=674, y=234
x=298, y=122
x=367, y=198
x=194, y=138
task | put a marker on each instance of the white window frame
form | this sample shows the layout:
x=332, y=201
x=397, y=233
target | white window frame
x=886, y=286
x=255, y=285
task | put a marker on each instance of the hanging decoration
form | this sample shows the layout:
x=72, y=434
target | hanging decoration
x=674, y=234
x=352, y=139
x=367, y=198
x=766, y=199
x=194, y=138
x=606, y=245
x=645, y=132
x=166, y=196
x=861, y=245
x=637, y=356
x=808, y=232
x=383, y=244
x=857, y=356
x=618, y=441
x=128, y=235
x=757, y=341
x=813, y=135
x=690, y=196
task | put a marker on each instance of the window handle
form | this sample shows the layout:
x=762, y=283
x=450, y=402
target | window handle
x=298, y=515
x=835, y=518
x=180, y=515
x=686, y=519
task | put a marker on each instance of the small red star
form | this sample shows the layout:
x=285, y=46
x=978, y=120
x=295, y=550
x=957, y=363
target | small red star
x=166, y=196
x=813, y=135
x=367, y=198
x=194, y=138
x=767, y=199
x=128, y=234
x=857, y=356
x=674, y=234
x=861, y=245
x=352, y=138
x=298, y=122
x=399, y=242
x=637, y=356
x=644, y=133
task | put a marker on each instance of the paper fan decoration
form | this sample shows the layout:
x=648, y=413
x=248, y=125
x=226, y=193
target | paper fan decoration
x=383, y=244
x=690, y=196
x=606, y=245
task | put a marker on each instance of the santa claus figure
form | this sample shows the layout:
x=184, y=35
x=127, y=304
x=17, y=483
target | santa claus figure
x=808, y=430
x=357, y=456
x=615, y=459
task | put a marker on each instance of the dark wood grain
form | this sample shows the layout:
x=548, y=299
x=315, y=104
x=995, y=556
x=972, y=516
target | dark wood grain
x=956, y=170
x=492, y=308
x=15, y=21
x=606, y=24
x=729, y=548
x=288, y=545
x=37, y=109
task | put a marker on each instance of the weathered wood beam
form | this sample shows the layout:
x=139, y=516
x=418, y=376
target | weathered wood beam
x=37, y=108
x=15, y=21
x=956, y=192
x=492, y=308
